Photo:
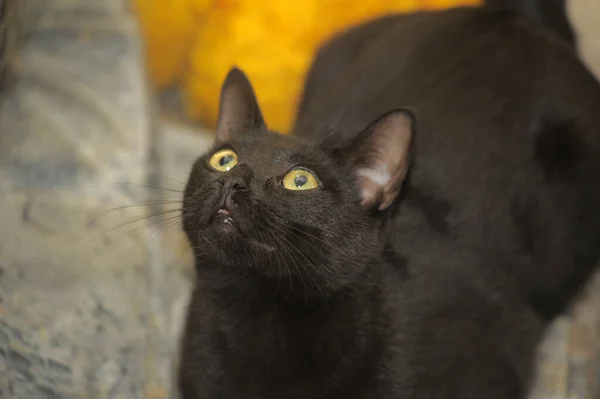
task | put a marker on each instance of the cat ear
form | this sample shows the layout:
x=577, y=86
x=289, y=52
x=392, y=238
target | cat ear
x=381, y=157
x=239, y=111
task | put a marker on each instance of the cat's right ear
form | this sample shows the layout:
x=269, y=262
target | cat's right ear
x=239, y=112
x=381, y=155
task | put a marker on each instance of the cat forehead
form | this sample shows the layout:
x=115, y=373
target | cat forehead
x=269, y=140
x=276, y=150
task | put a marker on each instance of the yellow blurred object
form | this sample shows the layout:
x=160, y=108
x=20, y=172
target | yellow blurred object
x=168, y=28
x=273, y=41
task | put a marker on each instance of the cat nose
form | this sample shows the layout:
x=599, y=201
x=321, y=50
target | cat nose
x=233, y=184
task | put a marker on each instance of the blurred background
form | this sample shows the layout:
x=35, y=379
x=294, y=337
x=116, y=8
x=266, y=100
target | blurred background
x=104, y=105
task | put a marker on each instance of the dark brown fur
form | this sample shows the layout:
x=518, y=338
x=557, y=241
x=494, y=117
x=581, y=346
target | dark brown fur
x=445, y=293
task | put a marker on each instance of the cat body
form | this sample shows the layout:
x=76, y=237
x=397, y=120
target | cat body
x=371, y=256
x=508, y=140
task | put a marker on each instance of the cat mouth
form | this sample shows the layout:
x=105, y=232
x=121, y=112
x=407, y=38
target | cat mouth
x=224, y=219
x=224, y=222
x=224, y=212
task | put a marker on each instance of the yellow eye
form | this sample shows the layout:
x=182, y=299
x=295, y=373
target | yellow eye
x=300, y=179
x=224, y=160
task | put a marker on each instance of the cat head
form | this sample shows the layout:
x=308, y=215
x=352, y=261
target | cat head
x=279, y=208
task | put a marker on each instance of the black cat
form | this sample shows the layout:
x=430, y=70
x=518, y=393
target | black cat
x=549, y=13
x=359, y=258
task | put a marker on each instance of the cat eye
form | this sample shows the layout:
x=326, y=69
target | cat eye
x=300, y=179
x=223, y=160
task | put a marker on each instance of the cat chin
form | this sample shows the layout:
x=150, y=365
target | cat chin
x=224, y=224
x=229, y=245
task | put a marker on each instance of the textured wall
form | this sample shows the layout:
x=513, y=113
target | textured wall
x=85, y=312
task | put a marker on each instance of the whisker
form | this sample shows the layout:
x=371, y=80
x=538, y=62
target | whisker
x=134, y=220
x=206, y=239
x=172, y=222
x=144, y=238
x=299, y=271
x=147, y=186
x=310, y=274
x=171, y=190
x=277, y=254
x=153, y=223
x=295, y=259
x=134, y=205
x=170, y=179
x=158, y=231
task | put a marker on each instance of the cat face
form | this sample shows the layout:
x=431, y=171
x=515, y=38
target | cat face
x=277, y=207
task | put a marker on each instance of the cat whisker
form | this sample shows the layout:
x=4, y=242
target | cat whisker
x=151, y=225
x=162, y=229
x=134, y=220
x=377, y=284
x=163, y=177
x=207, y=240
x=170, y=222
x=320, y=240
x=147, y=186
x=140, y=204
x=309, y=270
x=298, y=270
x=284, y=245
x=277, y=256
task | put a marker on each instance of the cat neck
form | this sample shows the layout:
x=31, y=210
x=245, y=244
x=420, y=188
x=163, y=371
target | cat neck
x=287, y=340
x=228, y=288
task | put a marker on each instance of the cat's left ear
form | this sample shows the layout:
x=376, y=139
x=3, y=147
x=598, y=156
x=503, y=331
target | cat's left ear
x=381, y=155
x=239, y=112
